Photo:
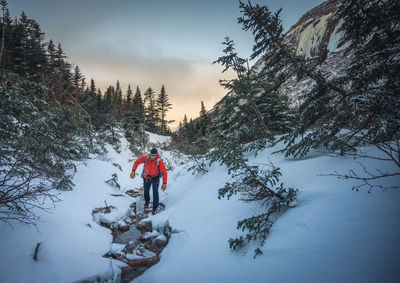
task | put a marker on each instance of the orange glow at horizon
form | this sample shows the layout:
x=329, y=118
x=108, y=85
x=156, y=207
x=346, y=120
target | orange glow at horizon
x=186, y=84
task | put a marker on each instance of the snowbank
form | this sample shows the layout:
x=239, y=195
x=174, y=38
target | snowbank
x=72, y=244
x=334, y=234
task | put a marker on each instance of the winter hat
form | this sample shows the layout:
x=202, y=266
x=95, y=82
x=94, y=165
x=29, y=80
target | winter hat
x=153, y=151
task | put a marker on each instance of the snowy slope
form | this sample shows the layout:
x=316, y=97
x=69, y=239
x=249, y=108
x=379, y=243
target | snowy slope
x=70, y=249
x=334, y=234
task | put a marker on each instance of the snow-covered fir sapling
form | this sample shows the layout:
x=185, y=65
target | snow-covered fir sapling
x=248, y=118
x=255, y=184
x=113, y=182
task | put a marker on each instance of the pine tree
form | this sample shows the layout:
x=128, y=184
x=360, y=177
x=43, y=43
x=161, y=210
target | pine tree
x=329, y=107
x=138, y=110
x=35, y=56
x=77, y=75
x=151, y=112
x=7, y=39
x=42, y=139
x=163, y=106
x=92, y=87
x=244, y=87
x=203, y=111
x=51, y=56
x=92, y=93
x=100, y=102
x=63, y=68
x=108, y=99
x=20, y=37
x=3, y=29
x=239, y=126
x=135, y=125
x=46, y=119
x=359, y=107
x=204, y=121
x=118, y=94
x=128, y=100
x=243, y=112
x=185, y=121
x=83, y=83
x=372, y=29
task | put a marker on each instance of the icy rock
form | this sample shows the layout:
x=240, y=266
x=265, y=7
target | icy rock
x=153, y=234
x=132, y=234
x=160, y=241
x=137, y=255
x=116, y=249
x=161, y=225
x=145, y=225
x=139, y=261
x=161, y=238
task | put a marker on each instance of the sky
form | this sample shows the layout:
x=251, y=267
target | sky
x=148, y=43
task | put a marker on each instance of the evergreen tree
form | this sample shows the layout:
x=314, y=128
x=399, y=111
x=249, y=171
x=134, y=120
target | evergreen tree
x=185, y=121
x=83, y=83
x=138, y=110
x=239, y=116
x=203, y=111
x=135, y=125
x=3, y=30
x=20, y=36
x=63, y=67
x=92, y=88
x=332, y=114
x=372, y=29
x=359, y=107
x=163, y=106
x=51, y=56
x=118, y=94
x=128, y=100
x=42, y=140
x=7, y=39
x=151, y=112
x=77, y=73
x=203, y=120
x=239, y=126
x=108, y=99
x=99, y=102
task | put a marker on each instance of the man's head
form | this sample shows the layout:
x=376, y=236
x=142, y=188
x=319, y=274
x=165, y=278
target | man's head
x=153, y=153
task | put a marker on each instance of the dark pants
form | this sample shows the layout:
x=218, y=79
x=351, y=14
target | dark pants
x=147, y=183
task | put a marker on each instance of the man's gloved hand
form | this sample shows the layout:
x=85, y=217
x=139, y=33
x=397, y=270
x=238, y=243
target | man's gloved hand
x=164, y=187
x=132, y=174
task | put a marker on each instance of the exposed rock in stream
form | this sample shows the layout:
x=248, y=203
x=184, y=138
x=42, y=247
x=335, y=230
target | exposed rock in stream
x=133, y=234
x=135, y=241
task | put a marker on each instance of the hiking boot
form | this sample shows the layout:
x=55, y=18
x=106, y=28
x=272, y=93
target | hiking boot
x=146, y=205
x=154, y=212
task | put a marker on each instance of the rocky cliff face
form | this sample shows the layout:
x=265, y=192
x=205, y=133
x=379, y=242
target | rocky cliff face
x=317, y=34
x=317, y=37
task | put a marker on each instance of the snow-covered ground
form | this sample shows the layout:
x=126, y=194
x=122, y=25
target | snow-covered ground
x=332, y=235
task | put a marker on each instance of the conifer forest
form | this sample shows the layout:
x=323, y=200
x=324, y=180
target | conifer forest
x=304, y=145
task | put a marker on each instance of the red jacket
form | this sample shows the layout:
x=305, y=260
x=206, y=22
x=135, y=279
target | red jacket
x=150, y=168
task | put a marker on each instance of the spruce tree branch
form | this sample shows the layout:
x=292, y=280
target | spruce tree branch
x=256, y=178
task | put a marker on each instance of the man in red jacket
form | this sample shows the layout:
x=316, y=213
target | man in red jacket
x=152, y=171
